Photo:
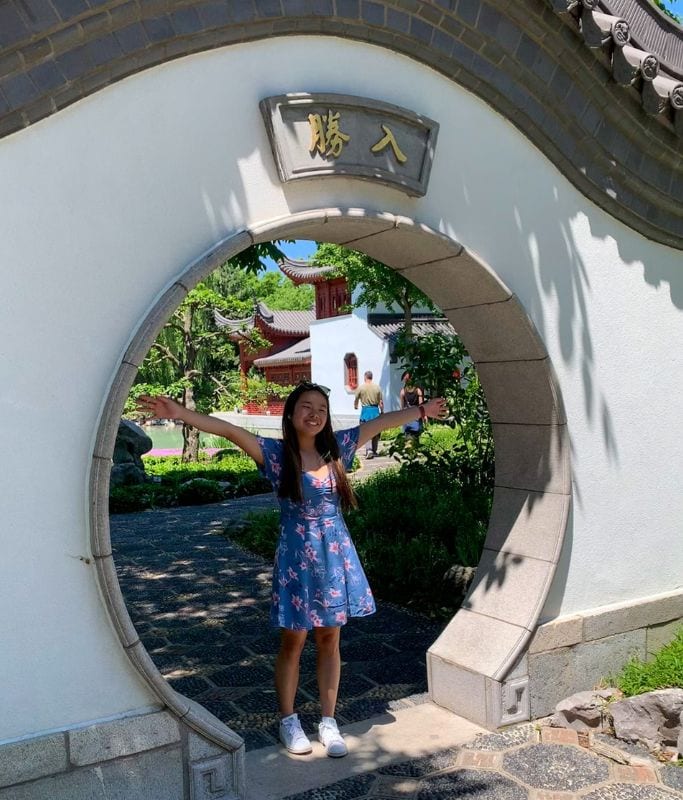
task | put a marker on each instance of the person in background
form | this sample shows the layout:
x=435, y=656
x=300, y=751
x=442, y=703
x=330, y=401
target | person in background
x=411, y=397
x=369, y=395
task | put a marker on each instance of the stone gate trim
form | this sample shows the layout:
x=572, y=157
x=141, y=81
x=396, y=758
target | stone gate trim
x=475, y=666
x=551, y=67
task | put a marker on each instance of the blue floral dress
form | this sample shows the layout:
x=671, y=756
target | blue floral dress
x=317, y=577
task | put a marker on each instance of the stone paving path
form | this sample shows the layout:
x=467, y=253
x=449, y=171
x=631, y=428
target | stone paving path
x=200, y=604
x=527, y=762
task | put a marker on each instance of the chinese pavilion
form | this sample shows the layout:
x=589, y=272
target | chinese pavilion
x=288, y=358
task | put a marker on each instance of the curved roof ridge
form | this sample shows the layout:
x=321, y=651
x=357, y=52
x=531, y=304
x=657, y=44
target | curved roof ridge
x=303, y=271
x=610, y=36
x=293, y=323
x=232, y=324
x=263, y=311
x=652, y=31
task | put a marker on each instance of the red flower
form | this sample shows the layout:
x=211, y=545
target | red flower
x=456, y=374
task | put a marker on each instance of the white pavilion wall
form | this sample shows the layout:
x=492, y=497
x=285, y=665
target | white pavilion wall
x=331, y=340
x=105, y=203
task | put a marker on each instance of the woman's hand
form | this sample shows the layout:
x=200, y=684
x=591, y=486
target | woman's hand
x=436, y=408
x=160, y=407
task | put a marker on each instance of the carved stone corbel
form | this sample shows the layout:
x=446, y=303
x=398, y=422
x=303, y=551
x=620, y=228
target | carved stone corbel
x=660, y=94
x=629, y=64
x=598, y=29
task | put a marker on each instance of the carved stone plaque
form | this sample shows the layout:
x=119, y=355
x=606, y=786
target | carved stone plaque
x=315, y=135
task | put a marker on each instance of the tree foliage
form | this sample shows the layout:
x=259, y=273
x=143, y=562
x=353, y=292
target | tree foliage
x=371, y=282
x=439, y=364
x=665, y=6
x=251, y=259
x=195, y=361
x=272, y=288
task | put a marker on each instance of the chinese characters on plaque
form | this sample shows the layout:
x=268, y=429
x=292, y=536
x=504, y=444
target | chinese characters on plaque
x=320, y=135
x=326, y=137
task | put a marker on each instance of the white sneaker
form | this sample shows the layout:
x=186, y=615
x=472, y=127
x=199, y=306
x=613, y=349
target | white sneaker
x=328, y=734
x=293, y=737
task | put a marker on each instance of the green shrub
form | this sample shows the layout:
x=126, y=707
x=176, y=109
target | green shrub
x=126, y=499
x=198, y=491
x=441, y=438
x=412, y=524
x=390, y=434
x=228, y=467
x=664, y=671
x=260, y=532
x=171, y=487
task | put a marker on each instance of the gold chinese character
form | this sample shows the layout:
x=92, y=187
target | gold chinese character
x=389, y=139
x=326, y=137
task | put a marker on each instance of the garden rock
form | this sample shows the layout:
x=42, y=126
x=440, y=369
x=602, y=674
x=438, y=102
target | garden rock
x=653, y=718
x=458, y=578
x=585, y=711
x=131, y=443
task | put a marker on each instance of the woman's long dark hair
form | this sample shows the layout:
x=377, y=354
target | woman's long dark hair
x=325, y=444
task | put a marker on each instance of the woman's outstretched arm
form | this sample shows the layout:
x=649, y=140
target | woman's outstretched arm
x=434, y=409
x=166, y=408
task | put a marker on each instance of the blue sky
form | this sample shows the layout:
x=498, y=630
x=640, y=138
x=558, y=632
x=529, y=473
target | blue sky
x=677, y=7
x=300, y=250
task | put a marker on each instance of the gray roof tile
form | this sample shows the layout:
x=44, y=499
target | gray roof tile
x=299, y=353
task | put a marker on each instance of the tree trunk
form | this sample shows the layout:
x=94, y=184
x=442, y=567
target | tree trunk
x=190, y=434
x=407, y=318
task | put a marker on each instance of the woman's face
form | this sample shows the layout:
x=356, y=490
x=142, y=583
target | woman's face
x=310, y=413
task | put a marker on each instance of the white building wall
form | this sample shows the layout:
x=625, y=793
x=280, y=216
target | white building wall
x=103, y=205
x=331, y=340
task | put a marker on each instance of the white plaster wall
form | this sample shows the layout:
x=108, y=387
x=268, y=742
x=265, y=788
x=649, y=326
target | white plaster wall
x=103, y=204
x=331, y=339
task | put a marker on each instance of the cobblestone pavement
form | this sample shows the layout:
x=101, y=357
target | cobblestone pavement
x=528, y=762
x=200, y=605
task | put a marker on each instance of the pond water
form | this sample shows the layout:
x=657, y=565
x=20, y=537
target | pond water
x=168, y=439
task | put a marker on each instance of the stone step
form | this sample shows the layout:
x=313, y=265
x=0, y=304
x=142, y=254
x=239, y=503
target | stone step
x=273, y=774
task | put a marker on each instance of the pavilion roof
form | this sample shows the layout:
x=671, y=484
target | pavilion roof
x=388, y=326
x=292, y=323
x=298, y=353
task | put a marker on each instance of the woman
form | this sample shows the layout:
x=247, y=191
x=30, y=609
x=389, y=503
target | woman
x=318, y=581
x=410, y=397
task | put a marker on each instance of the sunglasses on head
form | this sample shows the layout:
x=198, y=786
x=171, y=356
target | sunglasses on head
x=308, y=385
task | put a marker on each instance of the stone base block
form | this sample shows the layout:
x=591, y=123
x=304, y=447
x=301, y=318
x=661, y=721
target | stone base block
x=564, y=656
x=155, y=756
x=156, y=775
x=483, y=700
x=578, y=652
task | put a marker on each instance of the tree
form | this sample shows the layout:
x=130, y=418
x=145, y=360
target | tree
x=192, y=359
x=376, y=282
x=189, y=357
x=272, y=288
x=663, y=5
x=250, y=260
x=280, y=294
x=439, y=363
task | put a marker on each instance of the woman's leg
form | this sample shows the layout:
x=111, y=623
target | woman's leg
x=328, y=667
x=287, y=668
